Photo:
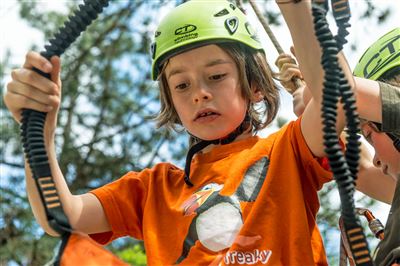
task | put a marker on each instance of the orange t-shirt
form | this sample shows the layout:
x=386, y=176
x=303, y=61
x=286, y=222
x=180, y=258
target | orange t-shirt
x=254, y=202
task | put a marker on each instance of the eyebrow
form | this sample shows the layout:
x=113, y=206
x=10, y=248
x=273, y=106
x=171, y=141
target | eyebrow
x=209, y=64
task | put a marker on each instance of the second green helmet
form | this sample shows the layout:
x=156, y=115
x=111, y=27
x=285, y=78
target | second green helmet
x=381, y=57
x=196, y=23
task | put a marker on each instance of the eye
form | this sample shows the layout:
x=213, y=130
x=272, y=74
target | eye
x=367, y=135
x=182, y=86
x=217, y=77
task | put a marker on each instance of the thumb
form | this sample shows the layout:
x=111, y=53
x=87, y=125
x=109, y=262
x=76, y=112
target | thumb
x=55, y=73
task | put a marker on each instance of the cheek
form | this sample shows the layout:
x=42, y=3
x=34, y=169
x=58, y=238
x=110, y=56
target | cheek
x=182, y=107
x=384, y=148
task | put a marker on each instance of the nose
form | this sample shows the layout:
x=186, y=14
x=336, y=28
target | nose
x=201, y=93
x=377, y=161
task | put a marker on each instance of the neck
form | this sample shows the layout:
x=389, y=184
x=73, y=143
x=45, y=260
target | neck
x=244, y=135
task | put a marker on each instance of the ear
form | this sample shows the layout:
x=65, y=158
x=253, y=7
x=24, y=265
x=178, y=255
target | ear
x=256, y=94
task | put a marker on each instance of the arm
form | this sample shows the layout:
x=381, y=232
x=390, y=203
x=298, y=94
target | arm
x=369, y=103
x=308, y=53
x=367, y=92
x=371, y=181
x=30, y=90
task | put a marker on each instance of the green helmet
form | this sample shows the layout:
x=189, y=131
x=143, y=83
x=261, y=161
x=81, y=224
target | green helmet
x=196, y=23
x=382, y=56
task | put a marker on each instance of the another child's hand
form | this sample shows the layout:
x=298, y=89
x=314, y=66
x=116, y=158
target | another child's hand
x=288, y=70
x=30, y=90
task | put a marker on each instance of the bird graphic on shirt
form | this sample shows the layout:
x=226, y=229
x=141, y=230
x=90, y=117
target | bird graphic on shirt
x=218, y=217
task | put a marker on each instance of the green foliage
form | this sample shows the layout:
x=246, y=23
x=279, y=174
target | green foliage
x=133, y=255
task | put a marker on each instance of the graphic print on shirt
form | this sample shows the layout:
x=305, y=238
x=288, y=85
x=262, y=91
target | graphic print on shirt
x=219, y=218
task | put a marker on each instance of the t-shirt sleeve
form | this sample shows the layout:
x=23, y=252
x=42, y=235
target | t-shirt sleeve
x=123, y=202
x=315, y=167
x=390, y=98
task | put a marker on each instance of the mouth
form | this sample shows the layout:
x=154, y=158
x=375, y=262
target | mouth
x=206, y=115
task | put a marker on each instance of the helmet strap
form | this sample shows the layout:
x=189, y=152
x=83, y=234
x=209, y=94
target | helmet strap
x=201, y=144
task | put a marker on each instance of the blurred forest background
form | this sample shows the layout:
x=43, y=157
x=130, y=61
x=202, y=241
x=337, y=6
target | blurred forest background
x=104, y=130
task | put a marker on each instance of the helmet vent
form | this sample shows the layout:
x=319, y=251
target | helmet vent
x=232, y=24
x=251, y=31
x=221, y=13
x=153, y=50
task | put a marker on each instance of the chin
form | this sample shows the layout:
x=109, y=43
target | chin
x=214, y=133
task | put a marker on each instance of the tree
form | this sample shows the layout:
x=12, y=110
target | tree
x=104, y=130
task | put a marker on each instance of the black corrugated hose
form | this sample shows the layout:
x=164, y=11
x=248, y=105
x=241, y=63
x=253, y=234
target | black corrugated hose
x=33, y=121
x=344, y=166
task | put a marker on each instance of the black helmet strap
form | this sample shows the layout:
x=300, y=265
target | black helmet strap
x=246, y=123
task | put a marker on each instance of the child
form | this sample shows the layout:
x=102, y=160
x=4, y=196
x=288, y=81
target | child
x=385, y=136
x=381, y=61
x=241, y=199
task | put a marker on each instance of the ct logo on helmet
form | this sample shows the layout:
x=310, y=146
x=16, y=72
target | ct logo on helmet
x=383, y=58
x=185, y=29
x=185, y=33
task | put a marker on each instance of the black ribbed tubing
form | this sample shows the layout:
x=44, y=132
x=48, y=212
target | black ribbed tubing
x=32, y=122
x=344, y=166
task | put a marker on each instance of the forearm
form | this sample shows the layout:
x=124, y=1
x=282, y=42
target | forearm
x=36, y=203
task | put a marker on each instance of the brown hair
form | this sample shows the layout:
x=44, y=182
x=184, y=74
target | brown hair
x=394, y=81
x=253, y=70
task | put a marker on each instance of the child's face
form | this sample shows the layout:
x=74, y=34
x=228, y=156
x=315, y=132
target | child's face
x=386, y=156
x=205, y=91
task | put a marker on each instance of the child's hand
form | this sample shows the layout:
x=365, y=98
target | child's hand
x=288, y=70
x=30, y=90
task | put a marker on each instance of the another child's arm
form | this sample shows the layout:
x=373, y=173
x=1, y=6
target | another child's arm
x=29, y=90
x=371, y=181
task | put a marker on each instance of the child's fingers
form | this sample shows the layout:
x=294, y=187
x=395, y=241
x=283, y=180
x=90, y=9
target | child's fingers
x=282, y=59
x=290, y=72
x=281, y=62
x=33, y=59
x=30, y=93
x=33, y=79
x=15, y=102
x=27, y=103
x=288, y=86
